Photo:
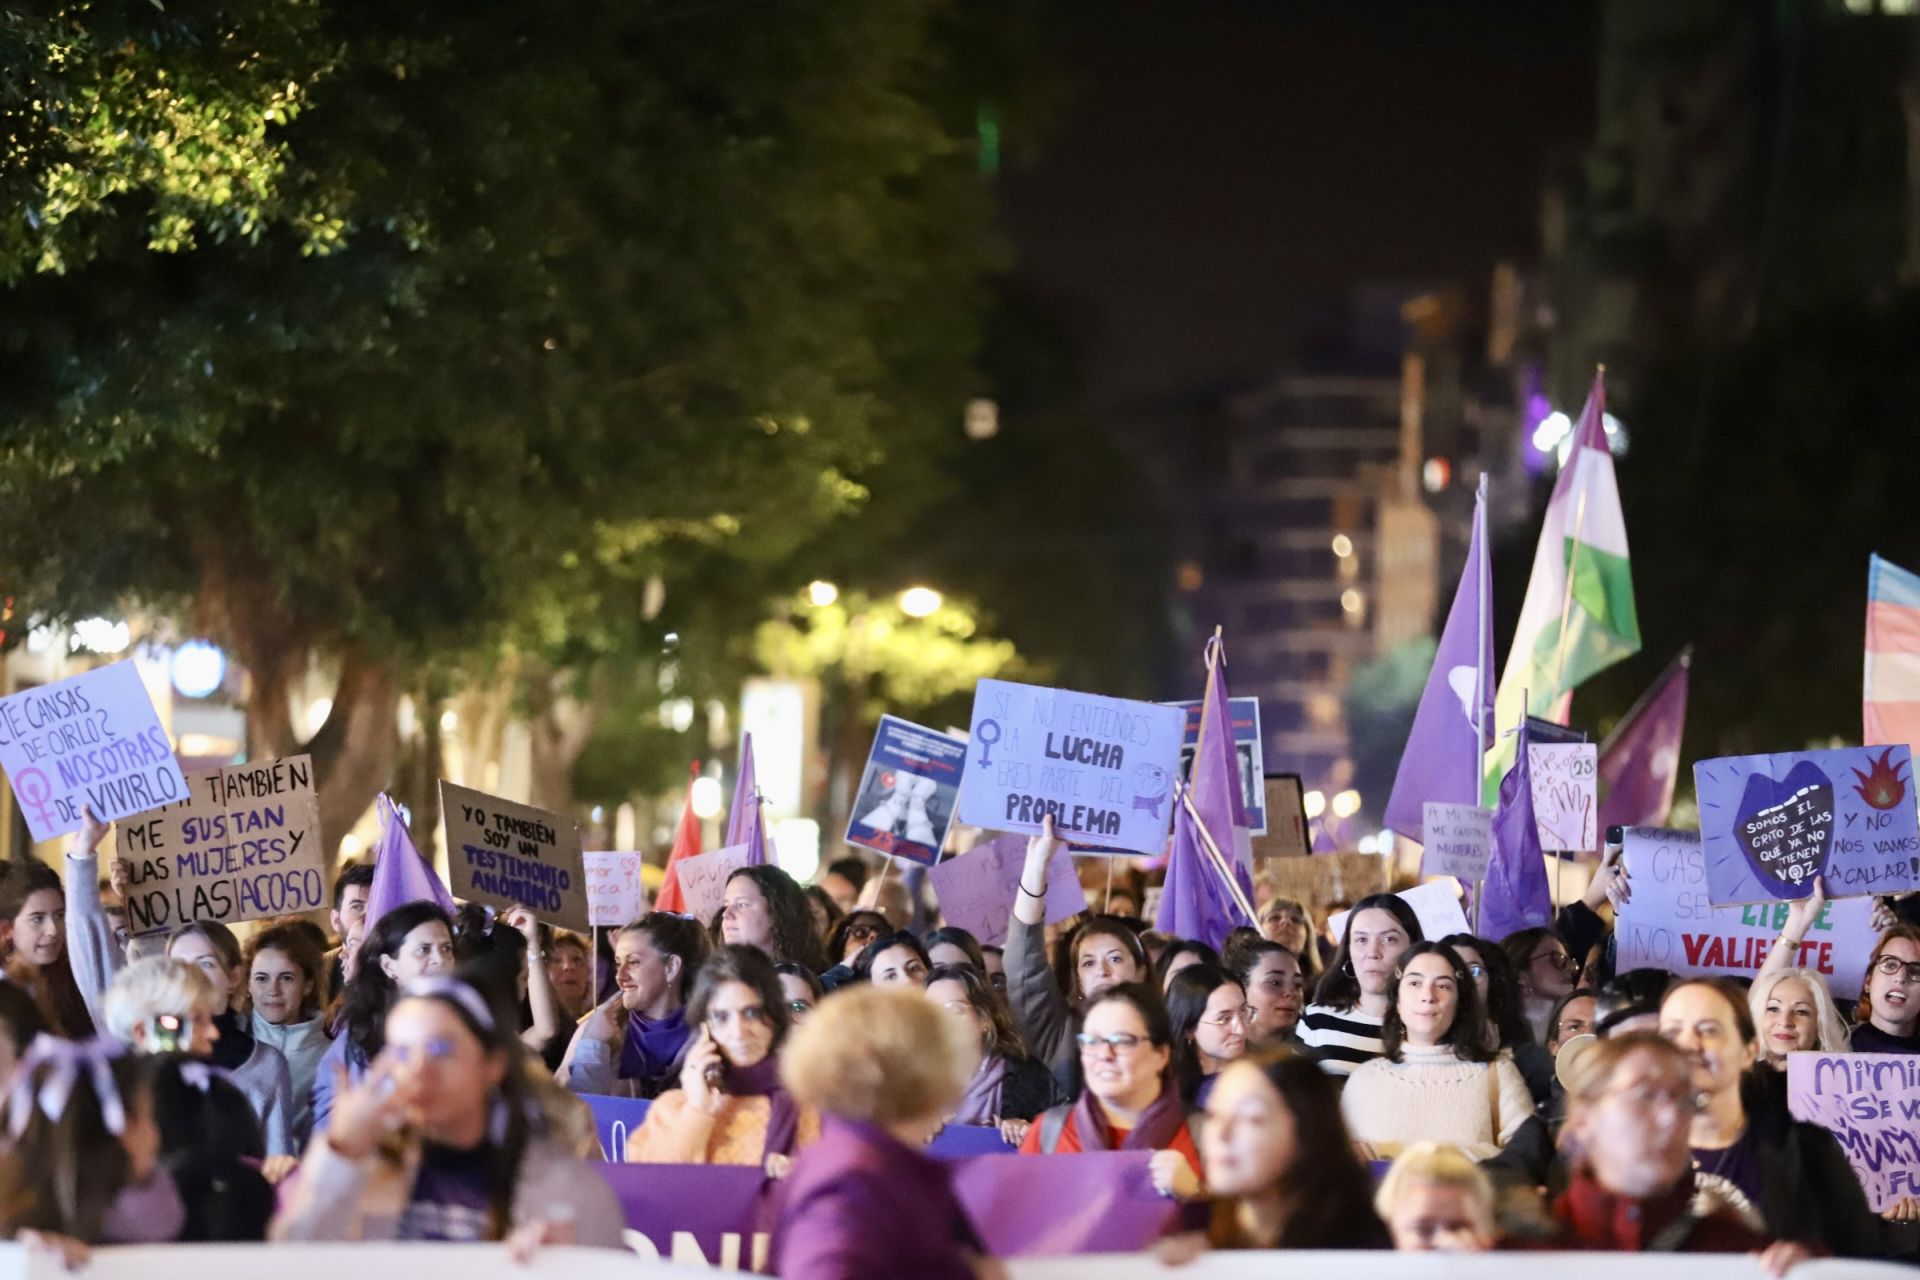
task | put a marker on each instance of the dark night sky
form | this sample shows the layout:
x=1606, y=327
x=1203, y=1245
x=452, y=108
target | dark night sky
x=1223, y=164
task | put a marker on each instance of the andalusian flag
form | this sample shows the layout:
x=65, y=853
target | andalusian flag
x=1578, y=618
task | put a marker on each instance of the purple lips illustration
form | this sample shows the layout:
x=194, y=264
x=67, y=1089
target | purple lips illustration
x=1785, y=827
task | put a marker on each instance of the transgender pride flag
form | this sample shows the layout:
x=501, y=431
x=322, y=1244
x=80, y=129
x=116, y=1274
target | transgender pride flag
x=1891, y=692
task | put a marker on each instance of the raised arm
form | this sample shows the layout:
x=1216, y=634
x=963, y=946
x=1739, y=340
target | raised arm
x=1039, y=1010
x=1801, y=916
x=92, y=950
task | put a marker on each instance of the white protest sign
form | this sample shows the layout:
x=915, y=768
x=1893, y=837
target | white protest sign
x=1456, y=840
x=507, y=854
x=703, y=879
x=976, y=890
x=1103, y=768
x=1565, y=795
x=245, y=845
x=1669, y=923
x=1436, y=905
x=615, y=894
x=91, y=739
x=1870, y=1103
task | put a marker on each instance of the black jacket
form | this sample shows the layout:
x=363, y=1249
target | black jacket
x=1809, y=1193
x=1029, y=1089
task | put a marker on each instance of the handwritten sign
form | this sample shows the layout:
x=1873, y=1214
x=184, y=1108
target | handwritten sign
x=91, y=739
x=1436, y=905
x=703, y=879
x=1286, y=816
x=615, y=894
x=1249, y=752
x=1671, y=924
x=508, y=854
x=977, y=889
x=244, y=845
x=1871, y=1103
x=1565, y=795
x=1770, y=824
x=1102, y=768
x=1456, y=840
x=907, y=793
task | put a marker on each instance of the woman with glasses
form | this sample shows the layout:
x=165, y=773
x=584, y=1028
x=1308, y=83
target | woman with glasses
x=1285, y=921
x=1494, y=980
x=1008, y=1088
x=1350, y=1004
x=1888, y=1016
x=1130, y=1103
x=802, y=989
x=1276, y=993
x=1629, y=1104
x=730, y=1107
x=1794, y=1175
x=1208, y=1009
x=1545, y=970
x=1572, y=1016
x=851, y=936
x=764, y=908
x=1440, y=1076
x=632, y=1044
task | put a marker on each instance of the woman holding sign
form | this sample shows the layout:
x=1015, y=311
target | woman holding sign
x=1793, y=1174
x=730, y=1107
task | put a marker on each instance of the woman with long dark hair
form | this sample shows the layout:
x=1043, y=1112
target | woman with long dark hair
x=444, y=1140
x=1440, y=1076
x=764, y=908
x=730, y=1107
x=1208, y=1009
x=1343, y=1023
x=633, y=1043
x=1279, y=1165
x=894, y=959
x=1276, y=993
x=1008, y=1088
x=1499, y=989
x=410, y=942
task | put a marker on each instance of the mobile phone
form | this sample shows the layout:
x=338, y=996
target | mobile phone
x=167, y=1034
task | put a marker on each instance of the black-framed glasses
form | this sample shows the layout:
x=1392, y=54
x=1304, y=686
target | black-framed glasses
x=1558, y=959
x=1120, y=1042
x=1893, y=966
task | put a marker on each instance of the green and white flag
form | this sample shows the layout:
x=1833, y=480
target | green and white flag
x=1578, y=618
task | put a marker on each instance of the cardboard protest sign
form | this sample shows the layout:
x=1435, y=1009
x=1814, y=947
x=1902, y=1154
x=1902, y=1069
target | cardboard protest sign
x=1456, y=840
x=1327, y=877
x=244, y=845
x=1770, y=824
x=508, y=854
x=1249, y=752
x=1871, y=1103
x=976, y=890
x=1103, y=768
x=1565, y=795
x=615, y=894
x=1436, y=905
x=1670, y=923
x=91, y=739
x=703, y=879
x=1286, y=815
x=907, y=793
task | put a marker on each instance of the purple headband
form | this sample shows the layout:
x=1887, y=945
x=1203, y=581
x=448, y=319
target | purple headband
x=454, y=991
x=64, y=1060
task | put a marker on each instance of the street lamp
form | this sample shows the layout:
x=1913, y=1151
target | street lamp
x=920, y=602
x=822, y=593
x=1346, y=804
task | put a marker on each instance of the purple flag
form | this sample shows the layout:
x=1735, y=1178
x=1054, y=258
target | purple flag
x=1442, y=759
x=1640, y=760
x=1516, y=895
x=1195, y=901
x=400, y=874
x=744, y=822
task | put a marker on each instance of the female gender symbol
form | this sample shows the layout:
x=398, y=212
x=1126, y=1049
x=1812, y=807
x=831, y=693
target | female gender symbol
x=987, y=741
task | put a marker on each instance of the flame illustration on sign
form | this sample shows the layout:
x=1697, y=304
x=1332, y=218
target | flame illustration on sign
x=1883, y=787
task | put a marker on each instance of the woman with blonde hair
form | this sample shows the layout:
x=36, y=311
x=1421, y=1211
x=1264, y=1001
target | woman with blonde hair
x=883, y=1067
x=1435, y=1199
x=1794, y=1011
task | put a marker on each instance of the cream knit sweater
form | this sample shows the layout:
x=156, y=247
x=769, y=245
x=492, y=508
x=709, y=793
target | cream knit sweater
x=1432, y=1095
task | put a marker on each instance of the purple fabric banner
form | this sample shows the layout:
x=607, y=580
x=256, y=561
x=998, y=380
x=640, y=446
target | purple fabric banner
x=1640, y=760
x=1516, y=895
x=1022, y=1207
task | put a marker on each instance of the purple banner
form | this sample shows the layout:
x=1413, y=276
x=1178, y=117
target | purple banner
x=721, y=1215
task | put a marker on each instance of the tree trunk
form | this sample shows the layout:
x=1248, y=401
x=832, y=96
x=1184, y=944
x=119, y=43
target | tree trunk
x=559, y=733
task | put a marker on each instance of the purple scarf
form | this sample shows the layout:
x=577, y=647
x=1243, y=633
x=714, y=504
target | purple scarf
x=980, y=1104
x=149, y=1212
x=652, y=1047
x=1155, y=1131
x=762, y=1080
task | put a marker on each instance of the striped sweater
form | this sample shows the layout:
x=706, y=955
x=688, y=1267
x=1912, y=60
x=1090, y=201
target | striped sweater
x=1341, y=1038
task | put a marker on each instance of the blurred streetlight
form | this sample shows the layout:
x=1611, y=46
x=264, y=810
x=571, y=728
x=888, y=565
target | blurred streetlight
x=1342, y=545
x=1316, y=804
x=920, y=602
x=1346, y=804
x=822, y=593
x=705, y=798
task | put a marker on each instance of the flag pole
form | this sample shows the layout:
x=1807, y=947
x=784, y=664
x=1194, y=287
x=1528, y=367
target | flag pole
x=1481, y=676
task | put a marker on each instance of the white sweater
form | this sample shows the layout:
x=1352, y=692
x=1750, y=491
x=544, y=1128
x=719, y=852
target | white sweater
x=1432, y=1094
